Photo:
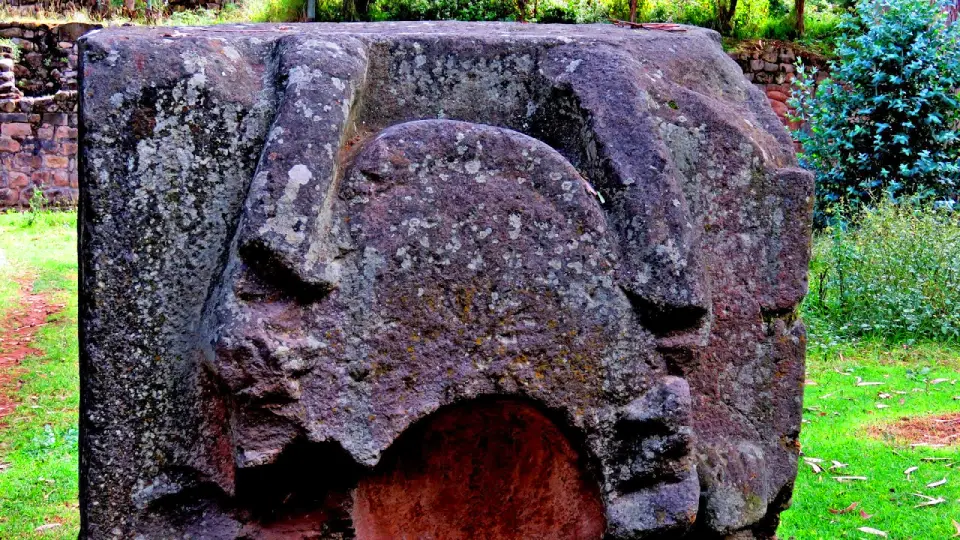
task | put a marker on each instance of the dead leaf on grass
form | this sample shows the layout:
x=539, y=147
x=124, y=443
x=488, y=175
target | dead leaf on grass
x=814, y=464
x=846, y=510
x=47, y=527
x=870, y=530
x=910, y=471
x=938, y=483
x=930, y=501
x=849, y=478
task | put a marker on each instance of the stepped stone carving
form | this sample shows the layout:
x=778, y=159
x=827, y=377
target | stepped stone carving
x=435, y=280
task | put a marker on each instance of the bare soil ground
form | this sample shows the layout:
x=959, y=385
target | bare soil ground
x=17, y=330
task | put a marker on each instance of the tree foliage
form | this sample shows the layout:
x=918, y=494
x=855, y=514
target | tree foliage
x=886, y=121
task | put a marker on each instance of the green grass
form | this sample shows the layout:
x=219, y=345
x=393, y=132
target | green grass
x=881, y=309
x=38, y=443
x=837, y=417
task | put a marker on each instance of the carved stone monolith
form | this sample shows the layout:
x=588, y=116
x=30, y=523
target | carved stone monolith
x=435, y=280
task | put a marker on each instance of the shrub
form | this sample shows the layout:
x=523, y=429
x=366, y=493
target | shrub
x=695, y=12
x=551, y=11
x=463, y=10
x=276, y=10
x=820, y=21
x=893, y=273
x=887, y=121
x=13, y=48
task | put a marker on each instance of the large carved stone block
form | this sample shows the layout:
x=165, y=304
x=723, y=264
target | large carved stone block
x=435, y=280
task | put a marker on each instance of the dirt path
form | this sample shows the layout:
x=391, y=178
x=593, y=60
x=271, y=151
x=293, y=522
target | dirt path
x=18, y=327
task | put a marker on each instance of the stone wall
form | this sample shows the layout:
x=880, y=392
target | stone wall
x=60, y=6
x=38, y=113
x=771, y=65
x=99, y=6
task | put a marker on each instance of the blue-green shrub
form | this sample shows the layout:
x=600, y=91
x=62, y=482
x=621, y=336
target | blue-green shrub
x=886, y=121
x=890, y=273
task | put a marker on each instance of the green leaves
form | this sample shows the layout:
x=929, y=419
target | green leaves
x=890, y=105
x=893, y=274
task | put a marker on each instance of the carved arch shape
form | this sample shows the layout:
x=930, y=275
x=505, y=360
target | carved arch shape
x=488, y=468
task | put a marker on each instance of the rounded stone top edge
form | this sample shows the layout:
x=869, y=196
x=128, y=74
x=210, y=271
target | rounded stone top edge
x=603, y=32
x=432, y=126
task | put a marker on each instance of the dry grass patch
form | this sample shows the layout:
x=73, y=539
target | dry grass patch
x=938, y=430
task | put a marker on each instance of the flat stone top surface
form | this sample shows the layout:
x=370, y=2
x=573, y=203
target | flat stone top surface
x=476, y=30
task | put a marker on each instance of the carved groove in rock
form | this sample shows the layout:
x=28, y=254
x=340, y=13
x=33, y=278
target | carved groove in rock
x=320, y=250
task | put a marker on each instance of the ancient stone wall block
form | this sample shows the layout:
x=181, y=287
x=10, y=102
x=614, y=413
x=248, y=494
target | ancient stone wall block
x=46, y=72
x=439, y=279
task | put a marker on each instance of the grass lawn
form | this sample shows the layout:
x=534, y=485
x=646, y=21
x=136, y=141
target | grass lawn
x=839, y=409
x=38, y=443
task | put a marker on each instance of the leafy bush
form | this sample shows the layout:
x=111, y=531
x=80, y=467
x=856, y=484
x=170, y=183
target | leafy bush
x=13, y=47
x=575, y=11
x=464, y=10
x=892, y=274
x=821, y=23
x=274, y=10
x=556, y=11
x=695, y=12
x=887, y=122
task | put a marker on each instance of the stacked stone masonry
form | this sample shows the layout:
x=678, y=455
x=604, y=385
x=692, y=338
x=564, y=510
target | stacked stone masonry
x=98, y=6
x=772, y=68
x=38, y=113
x=60, y=6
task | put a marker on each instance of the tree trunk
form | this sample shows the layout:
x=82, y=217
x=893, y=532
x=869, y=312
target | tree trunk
x=725, y=15
x=355, y=10
x=633, y=10
x=522, y=10
x=799, y=6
